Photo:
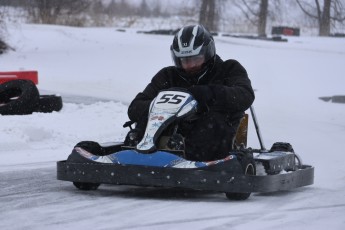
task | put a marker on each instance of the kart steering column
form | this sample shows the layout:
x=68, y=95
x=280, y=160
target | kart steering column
x=257, y=128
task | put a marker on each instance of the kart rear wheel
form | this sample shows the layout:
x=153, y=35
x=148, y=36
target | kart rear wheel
x=282, y=146
x=86, y=186
x=249, y=170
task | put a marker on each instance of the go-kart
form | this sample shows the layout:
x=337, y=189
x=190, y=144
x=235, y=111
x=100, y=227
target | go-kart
x=152, y=161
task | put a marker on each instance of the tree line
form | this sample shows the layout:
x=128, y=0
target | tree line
x=325, y=13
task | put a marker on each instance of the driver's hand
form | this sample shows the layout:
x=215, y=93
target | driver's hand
x=203, y=94
x=133, y=137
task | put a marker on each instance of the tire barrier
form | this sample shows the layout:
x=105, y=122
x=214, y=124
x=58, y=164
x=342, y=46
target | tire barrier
x=21, y=97
x=334, y=99
x=285, y=30
x=49, y=103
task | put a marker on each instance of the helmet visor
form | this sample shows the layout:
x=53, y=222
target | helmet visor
x=193, y=62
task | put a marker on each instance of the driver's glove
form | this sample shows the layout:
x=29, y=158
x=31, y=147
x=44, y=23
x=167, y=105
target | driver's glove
x=203, y=94
x=133, y=137
x=176, y=142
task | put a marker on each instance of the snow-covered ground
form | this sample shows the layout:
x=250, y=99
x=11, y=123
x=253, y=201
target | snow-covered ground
x=108, y=64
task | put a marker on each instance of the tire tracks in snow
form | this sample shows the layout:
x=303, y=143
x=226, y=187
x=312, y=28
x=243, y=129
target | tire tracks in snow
x=25, y=190
x=248, y=216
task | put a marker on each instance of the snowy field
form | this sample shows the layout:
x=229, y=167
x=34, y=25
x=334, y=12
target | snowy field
x=112, y=65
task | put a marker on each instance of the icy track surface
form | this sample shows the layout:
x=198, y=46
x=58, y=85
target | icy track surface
x=98, y=71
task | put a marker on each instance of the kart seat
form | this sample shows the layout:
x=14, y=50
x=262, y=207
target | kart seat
x=242, y=131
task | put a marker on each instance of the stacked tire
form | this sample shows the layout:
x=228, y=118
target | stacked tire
x=21, y=97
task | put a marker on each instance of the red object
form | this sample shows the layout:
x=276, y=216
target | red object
x=26, y=75
x=288, y=31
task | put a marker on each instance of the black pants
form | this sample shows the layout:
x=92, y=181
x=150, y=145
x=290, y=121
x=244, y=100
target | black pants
x=210, y=137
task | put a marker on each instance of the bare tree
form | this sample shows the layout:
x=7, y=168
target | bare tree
x=144, y=9
x=48, y=11
x=3, y=44
x=263, y=10
x=207, y=14
x=256, y=12
x=157, y=9
x=120, y=8
x=331, y=11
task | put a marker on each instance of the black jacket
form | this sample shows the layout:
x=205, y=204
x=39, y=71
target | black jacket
x=228, y=84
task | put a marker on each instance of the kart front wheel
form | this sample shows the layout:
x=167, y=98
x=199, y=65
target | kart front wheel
x=86, y=186
x=249, y=169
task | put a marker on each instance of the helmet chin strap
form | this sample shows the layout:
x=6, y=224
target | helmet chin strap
x=208, y=67
x=193, y=78
x=201, y=76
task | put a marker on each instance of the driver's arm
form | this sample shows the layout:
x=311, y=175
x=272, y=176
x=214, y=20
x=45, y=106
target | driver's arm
x=139, y=107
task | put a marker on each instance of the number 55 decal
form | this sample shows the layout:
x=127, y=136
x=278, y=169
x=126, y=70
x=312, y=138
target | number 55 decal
x=171, y=99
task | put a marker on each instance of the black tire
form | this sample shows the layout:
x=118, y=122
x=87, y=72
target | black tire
x=249, y=168
x=282, y=146
x=92, y=147
x=49, y=103
x=86, y=186
x=286, y=147
x=18, y=97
